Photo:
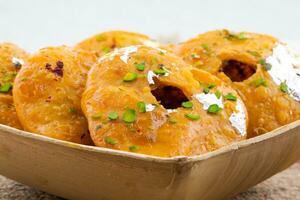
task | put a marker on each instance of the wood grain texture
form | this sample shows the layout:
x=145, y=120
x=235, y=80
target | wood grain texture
x=81, y=172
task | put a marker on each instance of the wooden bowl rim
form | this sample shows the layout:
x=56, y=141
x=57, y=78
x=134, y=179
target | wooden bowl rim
x=177, y=159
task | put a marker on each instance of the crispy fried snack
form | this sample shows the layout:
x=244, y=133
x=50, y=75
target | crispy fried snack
x=147, y=100
x=47, y=94
x=11, y=60
x=8, y=115
x=105, y=42
x=263, y=70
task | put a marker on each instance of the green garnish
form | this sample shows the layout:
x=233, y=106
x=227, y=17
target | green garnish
x=230, y=97
x=214, y=108
x=96, y=116
x=134, y=148
x=266, y=66
x=9, y=77
x=160, y=71
x=194, y=55
x=218, y=94
x=5, y=87
x=254, y=53
x=211, y=85
x=205, y=46
x=283, y=87
x=206, y=90
x=187, y=104
x=161, y=53
x=106, y=50
x=207, y=87
x=113, y=115
x=129, y=116
x=109, y=140
x=140, y=66
x=72, y=110
x=239, y=36
x=191, y=116
x=259, y=82
x=172, y=121
x=142, y=106
x=130, y=77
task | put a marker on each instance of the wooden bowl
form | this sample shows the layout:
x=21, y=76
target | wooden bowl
x=84, y=172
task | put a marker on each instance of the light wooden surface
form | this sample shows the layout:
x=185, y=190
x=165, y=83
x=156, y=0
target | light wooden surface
x=285, y=185
x=79, y=172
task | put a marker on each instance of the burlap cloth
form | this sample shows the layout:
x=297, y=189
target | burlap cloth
x=283, y=186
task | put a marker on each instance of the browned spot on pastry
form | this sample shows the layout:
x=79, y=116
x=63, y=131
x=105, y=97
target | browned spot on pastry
x=58, y=70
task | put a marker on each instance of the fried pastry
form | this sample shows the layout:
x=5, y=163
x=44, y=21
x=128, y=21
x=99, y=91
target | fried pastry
x=149, y=101
x=262, y=69
x=12, y=58
x=106, y=42
x=47, y=94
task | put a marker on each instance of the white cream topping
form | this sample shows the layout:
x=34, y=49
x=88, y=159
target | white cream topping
x=171, y=110
x=209, y=99
x=154, y=45
x=109, y=56
x=150, y=76
x=150, y=107
x=195, y=56
x=124, y=53
x=17, y=62
x=285, y=67
x=238, y=119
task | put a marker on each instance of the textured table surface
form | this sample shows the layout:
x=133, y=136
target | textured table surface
x=283, y=186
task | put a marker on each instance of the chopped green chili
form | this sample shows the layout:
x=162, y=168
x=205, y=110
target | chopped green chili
x=130, y=77
x=113, y=115
x=284, y=87
x=259, y=82
x=265, y=65
x=161, y=71
x=193, y=117
x=187, y=104
x=5, y=87
x=230, y=97
x=109, y=140
x=133, y=148
x=218, y=94
x=214, y=108
x=141, y=106
x=140, y=66
x=129, y=116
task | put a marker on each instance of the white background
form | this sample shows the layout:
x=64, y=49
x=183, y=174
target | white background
x=37, y=23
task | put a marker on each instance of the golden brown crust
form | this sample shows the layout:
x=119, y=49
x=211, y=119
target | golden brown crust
x=9, y=69
x=47, y=94
x=268, y=107
x=155, y=131
x=105, y=42
x=11, y=60
x=8, y=115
